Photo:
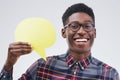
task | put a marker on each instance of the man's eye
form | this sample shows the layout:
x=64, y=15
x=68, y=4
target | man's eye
x=87, y=26
x=74, y=26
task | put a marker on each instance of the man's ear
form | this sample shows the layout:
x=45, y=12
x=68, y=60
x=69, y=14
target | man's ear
x=63, y=32
x=94, y=33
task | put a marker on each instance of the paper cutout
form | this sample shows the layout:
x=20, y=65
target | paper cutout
x=39, y=32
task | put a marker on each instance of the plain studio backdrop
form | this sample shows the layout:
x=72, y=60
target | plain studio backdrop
x=107, y=20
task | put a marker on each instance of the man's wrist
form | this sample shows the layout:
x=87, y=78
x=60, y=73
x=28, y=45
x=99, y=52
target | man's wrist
x=8, y=67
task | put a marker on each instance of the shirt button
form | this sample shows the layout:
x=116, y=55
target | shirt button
x=82, y=68
x=74, y=72
x=4, y=76
x=70, y=65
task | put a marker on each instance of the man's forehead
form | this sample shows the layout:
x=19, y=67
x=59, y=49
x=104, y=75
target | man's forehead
x=80, y=17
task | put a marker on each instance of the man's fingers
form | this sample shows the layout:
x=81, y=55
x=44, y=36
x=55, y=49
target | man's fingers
x=19, y=48
x=19, y=45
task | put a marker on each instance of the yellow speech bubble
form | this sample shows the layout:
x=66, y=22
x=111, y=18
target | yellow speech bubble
x=39, y=32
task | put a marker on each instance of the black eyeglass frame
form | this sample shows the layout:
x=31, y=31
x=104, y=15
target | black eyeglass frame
x=86, y=27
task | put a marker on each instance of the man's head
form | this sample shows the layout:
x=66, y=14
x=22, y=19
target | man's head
x=79, y=30
x=80, y=7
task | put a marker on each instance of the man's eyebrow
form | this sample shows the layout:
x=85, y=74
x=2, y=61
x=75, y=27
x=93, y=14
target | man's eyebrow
x=89, y=21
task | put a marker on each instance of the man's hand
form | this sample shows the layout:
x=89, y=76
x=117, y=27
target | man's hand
x=15, y=50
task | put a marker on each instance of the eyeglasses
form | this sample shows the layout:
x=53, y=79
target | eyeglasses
x=75, y=26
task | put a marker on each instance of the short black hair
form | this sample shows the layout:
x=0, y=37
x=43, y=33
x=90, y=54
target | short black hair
x=79, y=7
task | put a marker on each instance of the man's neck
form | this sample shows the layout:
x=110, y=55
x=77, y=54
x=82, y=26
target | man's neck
x=80, y=56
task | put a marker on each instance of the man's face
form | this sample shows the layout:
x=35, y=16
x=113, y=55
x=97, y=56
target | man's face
x=79, y=41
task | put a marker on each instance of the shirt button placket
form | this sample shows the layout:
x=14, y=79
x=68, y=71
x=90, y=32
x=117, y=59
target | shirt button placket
x=76, y=69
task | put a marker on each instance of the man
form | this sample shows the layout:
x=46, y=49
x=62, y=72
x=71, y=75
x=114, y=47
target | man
x=77, y=63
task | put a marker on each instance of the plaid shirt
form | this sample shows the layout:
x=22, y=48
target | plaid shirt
x=64, y=67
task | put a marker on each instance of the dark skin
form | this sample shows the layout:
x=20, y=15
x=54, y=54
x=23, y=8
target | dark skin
x=16, y=50
x=79, y=50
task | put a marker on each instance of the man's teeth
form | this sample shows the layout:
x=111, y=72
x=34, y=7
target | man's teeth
x=81, y=40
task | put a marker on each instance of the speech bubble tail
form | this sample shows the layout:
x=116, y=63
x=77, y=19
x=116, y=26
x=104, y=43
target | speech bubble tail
x=42, y=53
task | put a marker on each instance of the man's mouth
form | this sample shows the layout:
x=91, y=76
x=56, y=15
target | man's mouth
x=81, y=40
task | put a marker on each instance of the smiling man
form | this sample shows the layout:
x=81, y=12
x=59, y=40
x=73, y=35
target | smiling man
x=77, y=63
x=80, y=33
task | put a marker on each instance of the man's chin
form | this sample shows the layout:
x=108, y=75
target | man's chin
x=81, y=51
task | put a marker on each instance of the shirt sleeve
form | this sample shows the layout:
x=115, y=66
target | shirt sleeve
x=29, y=75
x=116, y=77
x=4, y=75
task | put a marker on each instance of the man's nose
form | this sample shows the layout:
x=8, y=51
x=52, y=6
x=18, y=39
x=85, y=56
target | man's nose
x=81, y=30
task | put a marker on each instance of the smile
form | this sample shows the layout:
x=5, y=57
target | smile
x=81, y=40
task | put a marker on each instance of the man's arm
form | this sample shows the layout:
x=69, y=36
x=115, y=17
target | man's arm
x=29, y=75
x=15, y=50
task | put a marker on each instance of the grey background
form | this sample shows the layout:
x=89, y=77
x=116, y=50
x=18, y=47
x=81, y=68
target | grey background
x=107, y=12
